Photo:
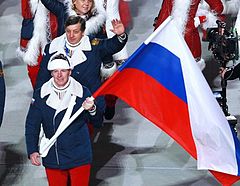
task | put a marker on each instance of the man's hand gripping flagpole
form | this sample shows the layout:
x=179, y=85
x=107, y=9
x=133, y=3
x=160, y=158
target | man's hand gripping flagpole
x=46, y=143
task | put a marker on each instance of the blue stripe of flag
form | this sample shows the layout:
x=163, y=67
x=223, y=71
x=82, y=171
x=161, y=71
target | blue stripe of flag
x=160, y=64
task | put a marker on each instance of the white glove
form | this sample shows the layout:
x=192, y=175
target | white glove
x=89, y=105
x=199, y=20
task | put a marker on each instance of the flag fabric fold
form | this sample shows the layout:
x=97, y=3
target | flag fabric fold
x=162, y=81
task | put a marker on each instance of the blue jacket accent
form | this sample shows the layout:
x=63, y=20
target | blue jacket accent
x=27, y=28
x=59, y=9
x=73, y=146
x=2, y=93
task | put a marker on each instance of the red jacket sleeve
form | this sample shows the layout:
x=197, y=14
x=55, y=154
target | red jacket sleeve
x=26, y=9
x=216, y=5
x=165, y=11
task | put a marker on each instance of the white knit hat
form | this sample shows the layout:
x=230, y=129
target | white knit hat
x=58, y=64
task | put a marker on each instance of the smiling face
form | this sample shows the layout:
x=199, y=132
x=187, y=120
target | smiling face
x=61, y=76
x=82, y=7
x=74, y=33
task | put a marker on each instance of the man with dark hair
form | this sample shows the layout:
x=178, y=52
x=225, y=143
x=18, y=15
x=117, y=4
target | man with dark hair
x=72, y=20
x=85, y=54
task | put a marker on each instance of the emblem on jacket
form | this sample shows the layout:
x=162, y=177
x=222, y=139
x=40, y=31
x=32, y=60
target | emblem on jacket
x=95, y=41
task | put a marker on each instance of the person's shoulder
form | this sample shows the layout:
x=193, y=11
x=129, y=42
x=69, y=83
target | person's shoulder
x=36, y=92
x=57, y=43
x=57, y=39
x=95, y=41
x=36, y=97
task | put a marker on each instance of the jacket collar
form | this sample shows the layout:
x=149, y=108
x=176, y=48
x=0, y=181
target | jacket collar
x=74, y=88
x=58, y=45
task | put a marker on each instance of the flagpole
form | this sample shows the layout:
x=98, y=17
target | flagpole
x=49, y=142
x=150, y=38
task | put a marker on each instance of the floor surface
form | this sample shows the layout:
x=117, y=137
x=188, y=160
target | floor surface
x=129, y=150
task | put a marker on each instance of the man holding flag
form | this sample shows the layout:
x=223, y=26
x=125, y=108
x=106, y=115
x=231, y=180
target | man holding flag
x=52, y=105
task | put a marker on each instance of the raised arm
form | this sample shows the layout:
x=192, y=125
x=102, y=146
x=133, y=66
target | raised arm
x=54, y=6
x=112, y=10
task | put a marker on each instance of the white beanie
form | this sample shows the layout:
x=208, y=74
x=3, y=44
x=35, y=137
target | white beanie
x=58, y=64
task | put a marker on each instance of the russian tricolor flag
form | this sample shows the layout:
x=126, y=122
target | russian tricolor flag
x=162, y=81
